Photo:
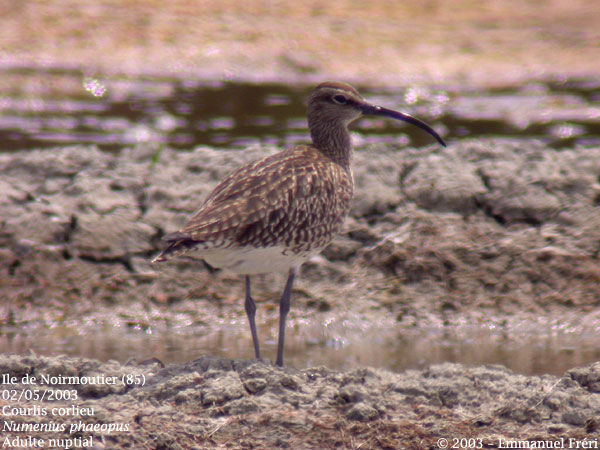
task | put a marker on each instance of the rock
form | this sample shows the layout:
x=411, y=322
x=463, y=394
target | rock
x=587, y=377
x=444, y=182
x=361, y=411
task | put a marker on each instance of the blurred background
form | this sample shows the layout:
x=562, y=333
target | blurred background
x=474, y=43
x=148, y=58
x=228, y=74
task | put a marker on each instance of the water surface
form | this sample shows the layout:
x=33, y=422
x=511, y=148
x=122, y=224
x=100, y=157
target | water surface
x=44, y=108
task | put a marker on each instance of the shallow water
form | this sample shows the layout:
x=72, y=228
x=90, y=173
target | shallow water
x=528, y=352
x=47, y=108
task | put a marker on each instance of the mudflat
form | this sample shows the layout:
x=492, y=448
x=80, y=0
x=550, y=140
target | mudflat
x=498, y=232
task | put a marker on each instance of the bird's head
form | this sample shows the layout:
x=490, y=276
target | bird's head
x=339, y=102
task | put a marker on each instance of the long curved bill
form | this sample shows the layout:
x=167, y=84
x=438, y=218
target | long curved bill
x=379, y=111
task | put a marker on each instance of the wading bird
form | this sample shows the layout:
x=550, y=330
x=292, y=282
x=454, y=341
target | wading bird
x=272, y=214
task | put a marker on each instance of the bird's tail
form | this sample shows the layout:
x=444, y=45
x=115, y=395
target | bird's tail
x=178, y=243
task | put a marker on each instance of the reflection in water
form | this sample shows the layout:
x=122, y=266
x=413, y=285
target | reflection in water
x=50, y=107
x=395, y=350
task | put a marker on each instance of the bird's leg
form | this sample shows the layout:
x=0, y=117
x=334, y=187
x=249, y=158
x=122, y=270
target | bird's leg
x=284, y=308
x=250, y=307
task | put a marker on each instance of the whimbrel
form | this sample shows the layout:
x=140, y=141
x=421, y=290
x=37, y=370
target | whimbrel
x=272, y=214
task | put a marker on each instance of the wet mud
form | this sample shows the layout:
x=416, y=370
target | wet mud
x=496, y=233
x=111, y=138
x=220, y=403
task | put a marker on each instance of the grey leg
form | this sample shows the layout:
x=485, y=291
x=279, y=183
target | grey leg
x=251, y=312
x=284, y=308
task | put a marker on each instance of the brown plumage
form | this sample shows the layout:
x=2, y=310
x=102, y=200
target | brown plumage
x=295, y=199
x=272, y=214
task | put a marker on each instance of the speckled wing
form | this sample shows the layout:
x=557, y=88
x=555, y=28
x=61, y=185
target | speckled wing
x=296, y=199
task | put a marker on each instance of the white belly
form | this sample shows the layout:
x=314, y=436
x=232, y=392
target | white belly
x=251, y=260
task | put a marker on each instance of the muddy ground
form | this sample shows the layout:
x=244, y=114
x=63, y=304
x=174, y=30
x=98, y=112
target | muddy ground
x=218, y=403
x=482, y=230
x=488, y=231
x=496, y=231
x=473, y=43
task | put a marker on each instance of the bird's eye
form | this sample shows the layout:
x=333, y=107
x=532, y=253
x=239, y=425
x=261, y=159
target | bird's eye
x=339, y=99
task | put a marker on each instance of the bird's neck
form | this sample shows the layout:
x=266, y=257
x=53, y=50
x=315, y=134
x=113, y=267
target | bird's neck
x=332, y=139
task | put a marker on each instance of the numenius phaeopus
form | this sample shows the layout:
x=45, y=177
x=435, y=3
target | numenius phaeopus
x=272, y=214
